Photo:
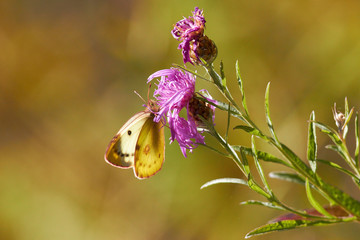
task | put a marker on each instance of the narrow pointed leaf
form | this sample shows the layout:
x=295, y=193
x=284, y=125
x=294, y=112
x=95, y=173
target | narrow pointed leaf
x=254, y=186
x=258, y=165
x=222, y=73
x=241, y=86
x=312, y=145
x=267, y=114
x=357, y=140
x=287, y=225
x=340, y=145
x=224, y=106
x=215, y=150
x=297, y=163
x=347, y=202
x=315, y=203
x=228, y=124
x=338, y=167
x=252, y=131
x=330, y=132
x=224, y=180
x=286, y=176
x=332, y=193
x=267, y=157
x=346, y=107
x=348, y=117
x=244, y=161
x=266, y=204
x=304, y=170
x=337, y=149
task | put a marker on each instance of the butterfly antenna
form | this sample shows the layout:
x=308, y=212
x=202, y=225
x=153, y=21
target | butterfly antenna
x=149, y=91
x=140, y=96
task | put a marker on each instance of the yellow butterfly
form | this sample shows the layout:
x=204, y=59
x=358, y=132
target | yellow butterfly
x=139, y=144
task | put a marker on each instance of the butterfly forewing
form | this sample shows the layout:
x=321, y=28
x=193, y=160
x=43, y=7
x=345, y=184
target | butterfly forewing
x=121, y=150
x=150, y=149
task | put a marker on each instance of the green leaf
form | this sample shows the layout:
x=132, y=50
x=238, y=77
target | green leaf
x=346, y=107
x=286, y=176
x=297, y=163
x=332, y=193
x=347, y=117
x=340, y=146
x=306, y=171
x=267, y=157
x=244, y=161
x=344, y=200
x=267, y=114
x=241, y=86
x=357, y=140
x=254, y=186
x=312, y=145
x=330, y=132
x=222, y=73
x=266, y=204
x=345, y=127
x=252, y=131
x=287, y=225
x=258, y=166
x=215, y=150
x=251, y=183
x=337, y=149
x=313, y=201
x=224, y=180
x=223, y=106
x=228, y=125
x=338, y=167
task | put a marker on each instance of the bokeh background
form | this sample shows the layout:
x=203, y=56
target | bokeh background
x=68, y=70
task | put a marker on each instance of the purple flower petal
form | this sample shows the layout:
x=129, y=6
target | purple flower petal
x=189, y=31
x=175, y=90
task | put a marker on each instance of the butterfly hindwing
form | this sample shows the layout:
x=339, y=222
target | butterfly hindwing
x=150, y=149
x=121, y=150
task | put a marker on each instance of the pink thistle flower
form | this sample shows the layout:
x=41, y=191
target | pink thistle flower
x=175, y=91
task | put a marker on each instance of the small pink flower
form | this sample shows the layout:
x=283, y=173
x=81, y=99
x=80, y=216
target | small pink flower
x=189, y=30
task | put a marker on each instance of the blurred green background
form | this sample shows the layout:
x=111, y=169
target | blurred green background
x=68, y=70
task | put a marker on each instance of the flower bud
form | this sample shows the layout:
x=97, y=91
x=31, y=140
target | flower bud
x=339, y=118
x=203, y=48
x=198, y=108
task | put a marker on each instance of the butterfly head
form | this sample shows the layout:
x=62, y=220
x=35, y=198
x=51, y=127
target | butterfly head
x=152, y=106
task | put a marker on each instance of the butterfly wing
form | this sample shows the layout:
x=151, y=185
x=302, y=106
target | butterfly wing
x=121, y=149
x=150, y=149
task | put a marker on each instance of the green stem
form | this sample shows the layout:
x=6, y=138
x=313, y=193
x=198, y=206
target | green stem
x=300, y=213
x=230, y=150
x=350, y=161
